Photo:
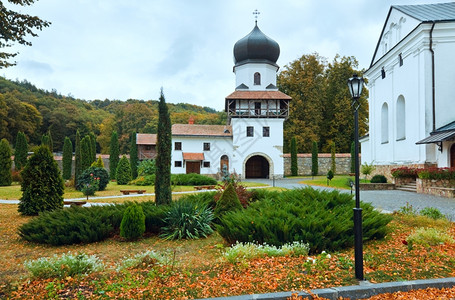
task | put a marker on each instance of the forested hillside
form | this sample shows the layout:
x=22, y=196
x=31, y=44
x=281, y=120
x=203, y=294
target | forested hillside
x=26, y=108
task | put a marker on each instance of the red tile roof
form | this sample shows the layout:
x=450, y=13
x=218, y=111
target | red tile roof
x=193, y=156
x=201, y=130
x=145, y=139
x=252, y=95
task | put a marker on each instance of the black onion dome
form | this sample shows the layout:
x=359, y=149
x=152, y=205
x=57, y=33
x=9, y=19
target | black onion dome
x=256, y=47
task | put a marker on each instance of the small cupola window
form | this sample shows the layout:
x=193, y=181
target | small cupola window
x=257, y=78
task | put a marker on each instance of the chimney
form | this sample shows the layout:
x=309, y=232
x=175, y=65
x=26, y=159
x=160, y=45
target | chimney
x=191, y=121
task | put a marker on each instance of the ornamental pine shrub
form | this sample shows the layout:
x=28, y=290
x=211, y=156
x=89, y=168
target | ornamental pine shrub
x=229, y=201
x=5, y=163
x=85, y=178
x=187, y=219
x=192, y=179
x=132, y=226
x=323, y=219
x=123, y=172
x=378, y=179
x=42, y=184
x=98, y=163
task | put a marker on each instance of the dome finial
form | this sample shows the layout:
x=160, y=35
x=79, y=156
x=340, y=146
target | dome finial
x=256, y=14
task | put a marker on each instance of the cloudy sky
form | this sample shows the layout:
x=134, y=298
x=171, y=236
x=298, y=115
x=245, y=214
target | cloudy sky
x=122, y=49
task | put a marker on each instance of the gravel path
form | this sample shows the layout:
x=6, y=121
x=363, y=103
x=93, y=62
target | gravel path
x=387, y=201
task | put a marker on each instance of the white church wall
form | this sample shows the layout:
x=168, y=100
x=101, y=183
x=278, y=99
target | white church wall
x=245, y=74
x=270, y=147
x=219, y=146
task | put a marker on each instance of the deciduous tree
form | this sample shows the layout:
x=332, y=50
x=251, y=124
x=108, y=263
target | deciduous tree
x=15, y=27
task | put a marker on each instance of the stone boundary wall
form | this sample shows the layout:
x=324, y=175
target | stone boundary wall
x=342, y=160
x=442, y=188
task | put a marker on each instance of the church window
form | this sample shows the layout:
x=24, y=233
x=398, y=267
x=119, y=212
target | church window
x=178, y=146
x=206, y=164
x=206, y=146
x=178, y=163
x=401, y=119
x=385, y=123
x=382, y=73
x=266, y=131
x=400, y=59
x=257, y=78
x=249, y=131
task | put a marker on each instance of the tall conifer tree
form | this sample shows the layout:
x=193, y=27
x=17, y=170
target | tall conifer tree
x=294, y=166
x=163, y=193
x=93, y=146
x=77, y=158
x=333, y=156
x=20, y=151
x=86, y=154
x=314, y=160
x=113, y=155
x=133, y=156
x=50, y=141
x=67, y=159
x=5, y=163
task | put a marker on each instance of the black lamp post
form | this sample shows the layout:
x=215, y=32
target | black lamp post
x=355, y=87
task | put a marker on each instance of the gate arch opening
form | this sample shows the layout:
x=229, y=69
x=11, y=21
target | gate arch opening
x=257, y=166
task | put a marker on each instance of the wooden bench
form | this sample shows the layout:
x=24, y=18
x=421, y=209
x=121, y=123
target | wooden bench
x=127, y=192
x=76, y=202
x=204, y=187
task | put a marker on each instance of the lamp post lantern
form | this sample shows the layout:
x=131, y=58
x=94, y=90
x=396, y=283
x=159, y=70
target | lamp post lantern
x=355, y=85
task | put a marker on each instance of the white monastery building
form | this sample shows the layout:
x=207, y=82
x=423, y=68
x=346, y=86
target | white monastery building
x=251, y=142
x=411, y=81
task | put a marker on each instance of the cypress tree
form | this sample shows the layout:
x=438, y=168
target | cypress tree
x=42, y=185
x=20, y=151
x=163, y=193
x=77, y=158
x=6, y=177
x=123, y=171
x=332, y=155
x=352, y=157
x=113, y=155
x=93, y=146
x=50, y=141
x=67, y=159
x=294, y=167
x=86, y=156
x=314, y=160
x=45, y=140
x=133, y=156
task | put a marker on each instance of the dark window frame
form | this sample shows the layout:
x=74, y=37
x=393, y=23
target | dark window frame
x=178, y=146
x=206, y=147
x=266, y=131
x=257, y=78
x=178, y=164
x=206, y=164
x=250, y=131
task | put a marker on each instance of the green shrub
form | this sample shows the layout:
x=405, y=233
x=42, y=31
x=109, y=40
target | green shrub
x=123, y=171
x=192, y=179
x=146, y=167
x=76, y=225
x=64, y=265
x=86, y=178
x=246, y=251
x=428, y=237
x=229, y=201
x=404, y=172
x=432, y=213
x=187, y=219
x=133, y=222
x=144, y=180
x=98, y=163
x=437, y=173
x=366, y=169
x=407, y=210
x=378, y=179
x=322, y=219
x=42, y=185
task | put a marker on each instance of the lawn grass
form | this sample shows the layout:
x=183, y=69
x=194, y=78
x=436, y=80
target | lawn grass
x=338, y=181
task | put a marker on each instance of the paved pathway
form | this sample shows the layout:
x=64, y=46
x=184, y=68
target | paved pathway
x=387, y=201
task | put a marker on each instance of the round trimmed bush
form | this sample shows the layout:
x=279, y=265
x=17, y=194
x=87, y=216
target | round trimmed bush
x=132, y=226
x=86, y=177
x=378, y=179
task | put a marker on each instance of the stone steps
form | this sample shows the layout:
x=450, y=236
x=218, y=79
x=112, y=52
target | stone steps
x=409, y=187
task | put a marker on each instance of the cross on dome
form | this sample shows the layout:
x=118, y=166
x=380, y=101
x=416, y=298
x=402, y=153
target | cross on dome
x=256, y=14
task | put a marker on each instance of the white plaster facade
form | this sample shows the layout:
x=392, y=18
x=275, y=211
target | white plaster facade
x=400, y=82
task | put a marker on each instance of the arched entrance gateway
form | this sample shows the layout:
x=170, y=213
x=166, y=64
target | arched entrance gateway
x=452, y=156
x=257, y=166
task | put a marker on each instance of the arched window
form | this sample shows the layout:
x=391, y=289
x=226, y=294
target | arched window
x=401, y=119
x=257, y=78
x=385, y=123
